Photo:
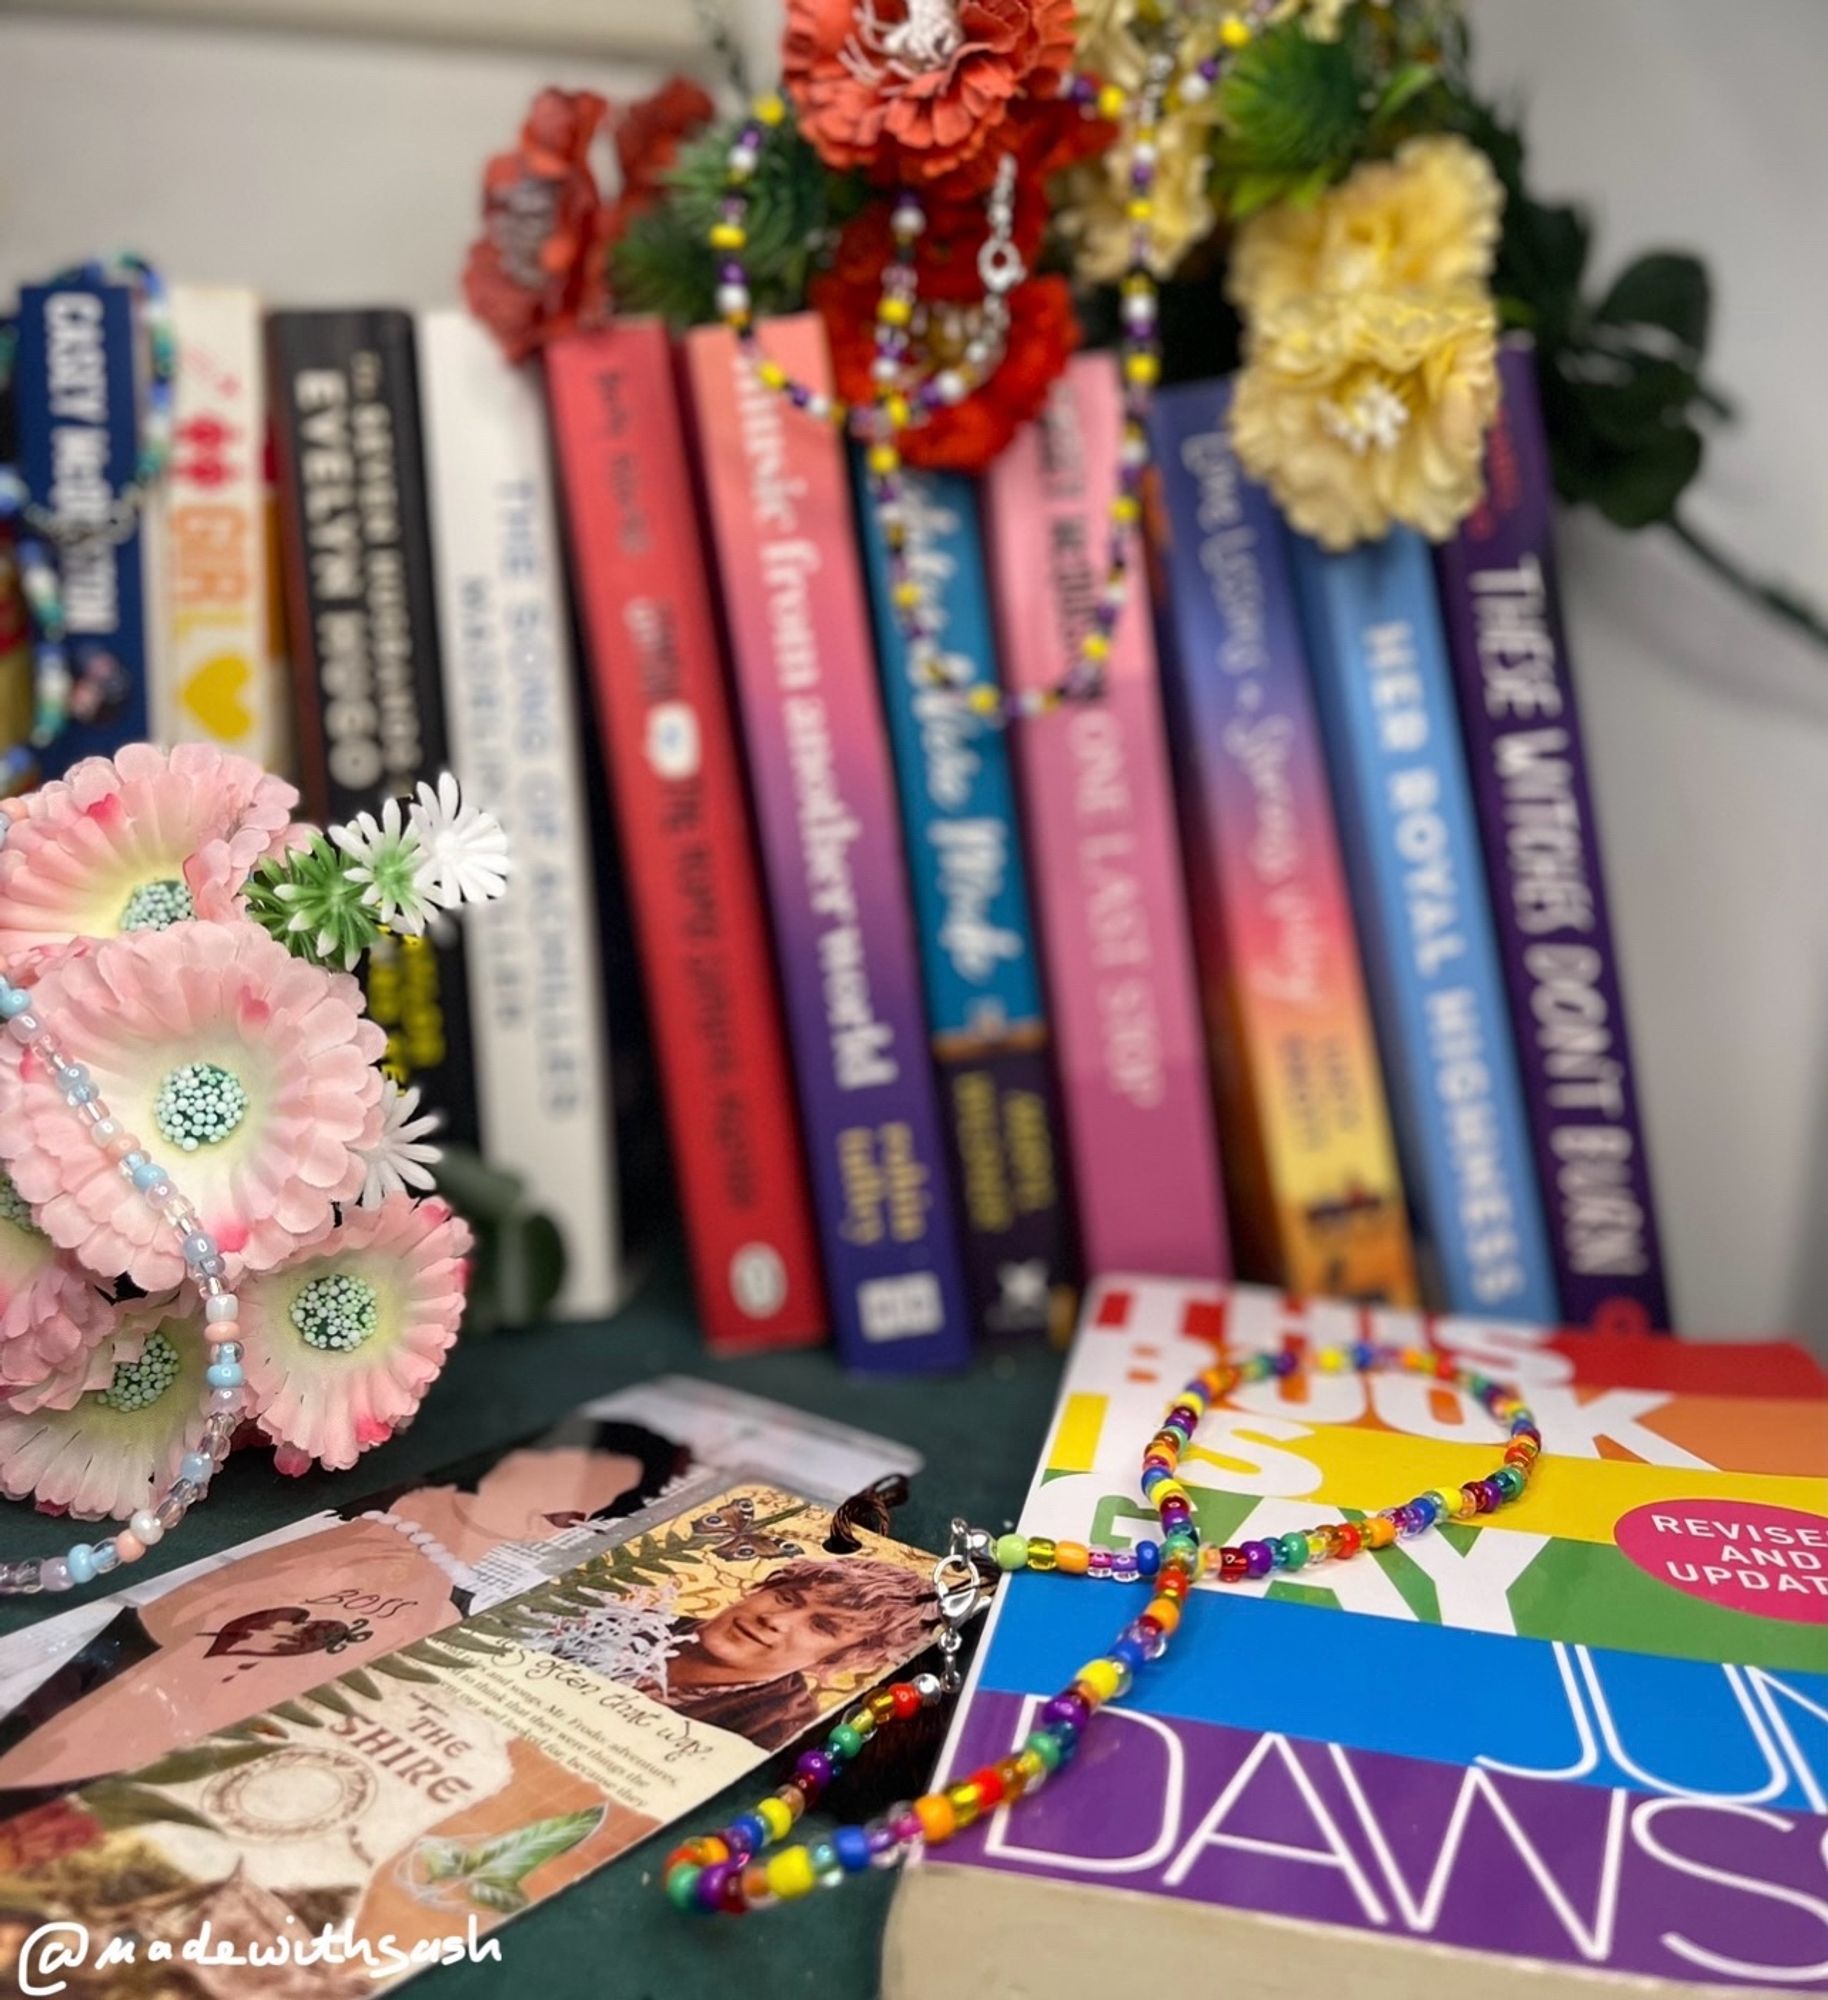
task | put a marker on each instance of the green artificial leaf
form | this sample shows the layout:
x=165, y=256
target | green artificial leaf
x=511, y=1857
x=1644, y=485
x=519, y=1261
x=204, y=1760
x=116, y=1804
x=1291, y=113
x=1665, y=289
x=1630, y=399
x=1408, y=84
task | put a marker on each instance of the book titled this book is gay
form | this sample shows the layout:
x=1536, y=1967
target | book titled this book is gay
x=779, y=501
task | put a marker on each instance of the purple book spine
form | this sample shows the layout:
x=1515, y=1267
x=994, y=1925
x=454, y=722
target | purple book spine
x=1510, y=657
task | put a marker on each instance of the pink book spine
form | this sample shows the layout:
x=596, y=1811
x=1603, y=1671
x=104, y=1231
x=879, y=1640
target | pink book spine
x=1099, y=807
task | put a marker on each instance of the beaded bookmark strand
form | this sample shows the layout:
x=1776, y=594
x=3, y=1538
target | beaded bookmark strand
x=223, y=1399
x=906, y=394
x=746, y=1866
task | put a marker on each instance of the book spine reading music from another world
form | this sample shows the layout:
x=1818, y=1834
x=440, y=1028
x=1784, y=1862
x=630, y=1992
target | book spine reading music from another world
x=362, y=630
x=977, y=938
x=1385, y=696
x=77, y=405
x=670, y=745
x=536, y=967
x=824, y=789
x=1517, y=704
x=1315, y=1194
x=1098, y=810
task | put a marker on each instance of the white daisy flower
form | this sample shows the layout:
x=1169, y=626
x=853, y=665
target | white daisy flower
x=400, y=1159
x=466, y=849
x=388, y=861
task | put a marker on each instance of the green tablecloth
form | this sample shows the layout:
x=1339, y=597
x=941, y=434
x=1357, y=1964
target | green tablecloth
x=613, y=1937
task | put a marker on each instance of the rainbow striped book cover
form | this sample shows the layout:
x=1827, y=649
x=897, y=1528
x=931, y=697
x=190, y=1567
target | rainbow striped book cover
x=778, y=495
x=1316, y=1197
x=1582, y=1740
x=1098, y=806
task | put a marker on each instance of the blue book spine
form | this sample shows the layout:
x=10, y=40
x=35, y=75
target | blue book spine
x=974, y=920
x=1384, y=690
x=77, y=400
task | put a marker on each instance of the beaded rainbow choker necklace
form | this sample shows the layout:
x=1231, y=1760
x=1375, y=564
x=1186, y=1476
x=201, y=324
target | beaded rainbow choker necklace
x=746, y=1866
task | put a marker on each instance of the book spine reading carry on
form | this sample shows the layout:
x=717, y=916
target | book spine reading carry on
x=76, y=392
x=1098, y=811
x=670, y=746
x=1509, y=646
x=534, y=960
x=1315, y=1192
x=1385, y=696
x=215, y=680
x=831, y=850
x=362, y=626
x=977, y=940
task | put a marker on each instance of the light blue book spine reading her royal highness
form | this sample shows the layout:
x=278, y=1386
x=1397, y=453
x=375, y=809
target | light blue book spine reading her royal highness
x=1384, y=689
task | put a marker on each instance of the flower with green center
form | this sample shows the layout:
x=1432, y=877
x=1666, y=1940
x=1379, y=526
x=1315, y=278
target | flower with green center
x=117, y=1447
x=336, y=1312
x=156, y=906
x=311, y=902
x=344, y=1339
x=199, y=1104
x=386, y=857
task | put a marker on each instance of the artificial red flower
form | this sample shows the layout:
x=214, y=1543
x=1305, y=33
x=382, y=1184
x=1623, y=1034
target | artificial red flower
x=1043, y=332
x=648, y=135
x=538, y=269
x=915, y=89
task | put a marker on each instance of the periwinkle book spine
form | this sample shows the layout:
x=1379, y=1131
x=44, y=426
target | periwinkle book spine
x=666, y=716
x=534, y=959
x=1384, y=691
x=978, y=955
x=1509, y=645
x=76, y=389
x=1288, y=1020
x=824, y=788
x=1097, y=802
x=361, y=624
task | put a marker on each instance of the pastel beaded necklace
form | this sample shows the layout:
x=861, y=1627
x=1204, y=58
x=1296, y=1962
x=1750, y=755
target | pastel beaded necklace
x=747, y=1866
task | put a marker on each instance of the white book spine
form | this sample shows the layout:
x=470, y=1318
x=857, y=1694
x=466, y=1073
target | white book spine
x=213, y=677
x=535, y=962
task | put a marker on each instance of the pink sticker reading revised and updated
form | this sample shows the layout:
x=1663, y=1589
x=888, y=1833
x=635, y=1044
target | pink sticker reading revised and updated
x=1772, y=1561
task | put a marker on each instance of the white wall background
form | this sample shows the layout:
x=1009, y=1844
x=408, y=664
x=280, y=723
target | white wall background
x=326, y=170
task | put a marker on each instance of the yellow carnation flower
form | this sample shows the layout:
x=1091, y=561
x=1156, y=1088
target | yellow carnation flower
x=1093, y=215
x=1429, y=217
x=1359, y=410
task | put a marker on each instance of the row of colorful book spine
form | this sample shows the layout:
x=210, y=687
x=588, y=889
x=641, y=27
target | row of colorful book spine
x=1291, y=952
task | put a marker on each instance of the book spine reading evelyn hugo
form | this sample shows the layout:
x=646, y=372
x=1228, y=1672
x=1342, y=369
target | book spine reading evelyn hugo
x=362, y=628
x=1301, y=1092
x=1510, y=653
x=670, y=746
x=77, y=409
x=831, y=851
x=977, y=941
x=1098, y=809
x=1385, y=695
x=215, y=682
x=535, y=963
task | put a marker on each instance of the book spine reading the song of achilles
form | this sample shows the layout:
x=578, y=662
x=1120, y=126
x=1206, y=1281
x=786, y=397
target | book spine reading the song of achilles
x=215, y=681
x=1099, y=815
x=1311, y=1164
x=362, y=626
x=1510, y=653
x=675, y=769
x=824, y=788
x=535, y=964
x=978, y=953
x=76, y=400
x=1385, y=696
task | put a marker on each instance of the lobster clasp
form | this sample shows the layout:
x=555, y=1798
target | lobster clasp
x=961, y=1588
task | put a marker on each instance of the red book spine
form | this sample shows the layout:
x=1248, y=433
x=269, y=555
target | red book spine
x=670, y=746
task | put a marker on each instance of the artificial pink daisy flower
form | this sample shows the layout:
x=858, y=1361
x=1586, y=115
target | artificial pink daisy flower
x=118, y=1446
x=246, y=1073
x=137, y=842
x=53, y=1321
x=344, y=1339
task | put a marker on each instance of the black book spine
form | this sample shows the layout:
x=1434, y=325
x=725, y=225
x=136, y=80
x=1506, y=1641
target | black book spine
x=362, y=627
